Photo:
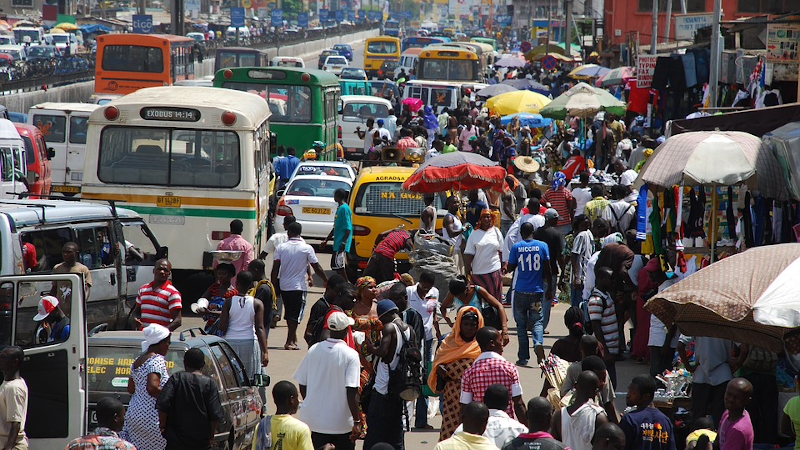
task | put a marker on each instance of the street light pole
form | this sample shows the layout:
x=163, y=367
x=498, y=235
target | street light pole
x=654, y=32
x=568, y=28
x=716, y=53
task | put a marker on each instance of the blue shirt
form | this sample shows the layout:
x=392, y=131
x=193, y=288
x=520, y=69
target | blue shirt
x=341, y=222
x=647, y=429
x=530, y=257
x=474, y=212
x=285, y=166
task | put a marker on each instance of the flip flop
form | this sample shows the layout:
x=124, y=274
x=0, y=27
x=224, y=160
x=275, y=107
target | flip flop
x=291, y=347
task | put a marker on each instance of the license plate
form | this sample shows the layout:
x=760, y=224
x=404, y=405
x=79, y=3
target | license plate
x=67, y=189
x=168, y=201
x=307, y=210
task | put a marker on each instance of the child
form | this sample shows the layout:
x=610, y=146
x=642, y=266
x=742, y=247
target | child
x=735, y=427
x=646, y=428
x=703, y=435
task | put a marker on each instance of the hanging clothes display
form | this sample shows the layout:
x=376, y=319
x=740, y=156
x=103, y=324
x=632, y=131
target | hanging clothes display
x=697, y=212
x=730, y=215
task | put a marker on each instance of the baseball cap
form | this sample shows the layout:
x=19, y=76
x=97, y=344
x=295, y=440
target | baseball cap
x=338, y=321
x=385, y=306
x=380, y=122
x=551, y=213
x=46, y=305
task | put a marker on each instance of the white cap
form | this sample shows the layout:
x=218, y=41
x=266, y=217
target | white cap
x=153, y=334
x=46, y=305
x=338, y=321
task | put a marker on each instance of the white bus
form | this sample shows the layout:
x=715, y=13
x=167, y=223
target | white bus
x=187, y=159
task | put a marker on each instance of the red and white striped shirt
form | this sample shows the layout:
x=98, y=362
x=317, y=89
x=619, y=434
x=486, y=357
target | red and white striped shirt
x=157, y=302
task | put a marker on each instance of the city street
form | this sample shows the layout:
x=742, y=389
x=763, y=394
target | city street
x=283, y=362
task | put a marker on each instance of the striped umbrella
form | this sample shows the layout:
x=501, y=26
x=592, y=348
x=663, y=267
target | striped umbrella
x=615, y=77
x=588, y=71
x=750, y=297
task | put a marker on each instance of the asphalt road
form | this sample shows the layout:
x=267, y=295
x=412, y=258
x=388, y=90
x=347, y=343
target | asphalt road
x=283, y=362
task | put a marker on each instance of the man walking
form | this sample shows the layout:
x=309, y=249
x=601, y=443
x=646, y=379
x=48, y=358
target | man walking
x=529, y=259
x=603, y=314
x=490, y=367
x=385, y=415
x=158, y=301
x=110, y=418
x=189, y=408
x=538, y=437
x=423, y=297
x=329, y=377
x=341, y=233
x=235, y=242
x=242, y=324
x=13, y=400
x=289, y=272
x=550, y=235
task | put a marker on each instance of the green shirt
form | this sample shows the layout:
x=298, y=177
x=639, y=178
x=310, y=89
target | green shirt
x=792, y=409
x=341, y=222
x=449, y=148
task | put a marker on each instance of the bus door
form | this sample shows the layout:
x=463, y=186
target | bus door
x=54, y=365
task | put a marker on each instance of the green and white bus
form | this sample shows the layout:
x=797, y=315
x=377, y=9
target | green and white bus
x=304, y=103
x=188, y=160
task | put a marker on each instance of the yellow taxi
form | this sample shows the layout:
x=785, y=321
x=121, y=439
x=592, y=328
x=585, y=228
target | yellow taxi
x=379, y=203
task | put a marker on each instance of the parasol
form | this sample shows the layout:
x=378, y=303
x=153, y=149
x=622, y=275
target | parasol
x=750, y=297
x=530, y=85
x=510, y=61
x=66, y=26
x=456, y=170
x=588, y=71
x=495, y=89
x=414, y=104
x=617, y=76
x=515, y=102
x=527, y=120
x=584, y=105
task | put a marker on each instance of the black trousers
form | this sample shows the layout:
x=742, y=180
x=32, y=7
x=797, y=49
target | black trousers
x=340, y=441
x=384, y=421
x=706, y=397
x=763, y=407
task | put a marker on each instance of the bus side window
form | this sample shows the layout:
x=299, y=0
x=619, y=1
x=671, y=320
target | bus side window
x=48, y=245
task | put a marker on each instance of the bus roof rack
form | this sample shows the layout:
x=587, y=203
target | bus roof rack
x=191, y=331
x=111, y=202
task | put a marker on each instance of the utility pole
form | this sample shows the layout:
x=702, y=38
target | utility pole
x=654, y=33
x=549, y=19
x=568, y=28
x=716, y=53
x=669, y=20
x=142, y=7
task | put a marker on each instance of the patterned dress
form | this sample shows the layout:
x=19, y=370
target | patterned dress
x=372, y=329
x=451, y=396
x=141, y=420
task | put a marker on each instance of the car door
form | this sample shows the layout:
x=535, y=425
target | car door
x=76, y=144
x=141, y=253
x=245, y=409
x=55, y=372
x=97, y=251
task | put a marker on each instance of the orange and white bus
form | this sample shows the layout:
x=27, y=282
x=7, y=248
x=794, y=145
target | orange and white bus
x=127, y=62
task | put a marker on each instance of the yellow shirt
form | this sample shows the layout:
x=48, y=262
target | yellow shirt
x=289, y=433
x=466, y=441
x=792, y=409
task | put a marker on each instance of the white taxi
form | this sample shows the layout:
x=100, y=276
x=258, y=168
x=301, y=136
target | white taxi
x=335, y=64
x=310, y=200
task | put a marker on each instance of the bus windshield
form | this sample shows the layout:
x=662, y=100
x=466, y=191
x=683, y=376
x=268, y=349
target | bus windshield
x=382, y=47
x=389, y=199
x=32, y=35
x=169, y=157
x=287, y=103
x=133, y=58
x=447, y=69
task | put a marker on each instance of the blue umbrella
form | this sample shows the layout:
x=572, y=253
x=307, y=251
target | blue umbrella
x=528, y=84
x=527, y=120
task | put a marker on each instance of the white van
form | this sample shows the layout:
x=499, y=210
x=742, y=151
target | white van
x=287, y=61
x=244, y=33
x=120, y=252
x=64, y=127
x=408, y=61
x=436, y=94
x=13, y=167
x=354, y=110
x=29, y=35
x=64, y=42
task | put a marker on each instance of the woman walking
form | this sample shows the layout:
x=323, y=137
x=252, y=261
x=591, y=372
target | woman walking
x=148, y=376
x=482, y=256
x=456, y=353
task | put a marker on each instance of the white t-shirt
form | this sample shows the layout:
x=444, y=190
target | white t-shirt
x=327, y=370
x=423, y=307
x=582, y=197
x=295, y=256
x=274, y=241
x=368, y=138
x=384, y=134
x=619, y=209
x=485, y=245
x=628, y=177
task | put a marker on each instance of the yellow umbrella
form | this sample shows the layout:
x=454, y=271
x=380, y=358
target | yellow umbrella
x=516, y=102
x=66, y=26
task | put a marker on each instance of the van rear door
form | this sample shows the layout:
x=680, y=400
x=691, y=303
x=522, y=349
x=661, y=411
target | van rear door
x=76, y=145
x=54, y=368
x=53, y=125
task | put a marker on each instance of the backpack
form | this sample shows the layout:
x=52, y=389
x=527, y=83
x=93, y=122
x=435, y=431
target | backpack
x=405, y=380
x=587, y=321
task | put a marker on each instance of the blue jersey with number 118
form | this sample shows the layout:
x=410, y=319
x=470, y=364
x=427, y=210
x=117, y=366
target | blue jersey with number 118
x=530, y=257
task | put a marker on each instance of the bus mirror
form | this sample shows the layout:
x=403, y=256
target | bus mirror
x=51, y=153
x=273, y=142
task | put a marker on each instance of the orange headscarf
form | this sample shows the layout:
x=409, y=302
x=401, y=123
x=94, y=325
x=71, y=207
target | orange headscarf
x=453, y=347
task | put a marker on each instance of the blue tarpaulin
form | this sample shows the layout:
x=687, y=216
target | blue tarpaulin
x=95, y=28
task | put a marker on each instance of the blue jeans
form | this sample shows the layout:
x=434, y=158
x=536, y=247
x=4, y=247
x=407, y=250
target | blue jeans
x=505, y=225
x=576, y=295
x=528, y=309
x=548, y=303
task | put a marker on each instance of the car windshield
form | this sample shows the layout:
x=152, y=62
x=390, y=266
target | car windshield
x=41, y=51
x=316, y=187
x=61, y=38
x=336, y=60
x=110, y=366
x=288, y=103
x=357, y=74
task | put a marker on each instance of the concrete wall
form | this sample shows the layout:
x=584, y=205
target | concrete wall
x=80, y=92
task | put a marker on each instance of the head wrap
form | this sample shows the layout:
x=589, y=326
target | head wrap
x=363, y=282
x=429, y=119
x=559, y=180
x=153, y=334
x=453, y=347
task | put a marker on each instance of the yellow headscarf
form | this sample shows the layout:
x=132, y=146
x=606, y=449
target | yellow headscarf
x=453, y=347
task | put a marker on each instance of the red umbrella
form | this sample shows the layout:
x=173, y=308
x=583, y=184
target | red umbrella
x=414, y=104
x=458, y=171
